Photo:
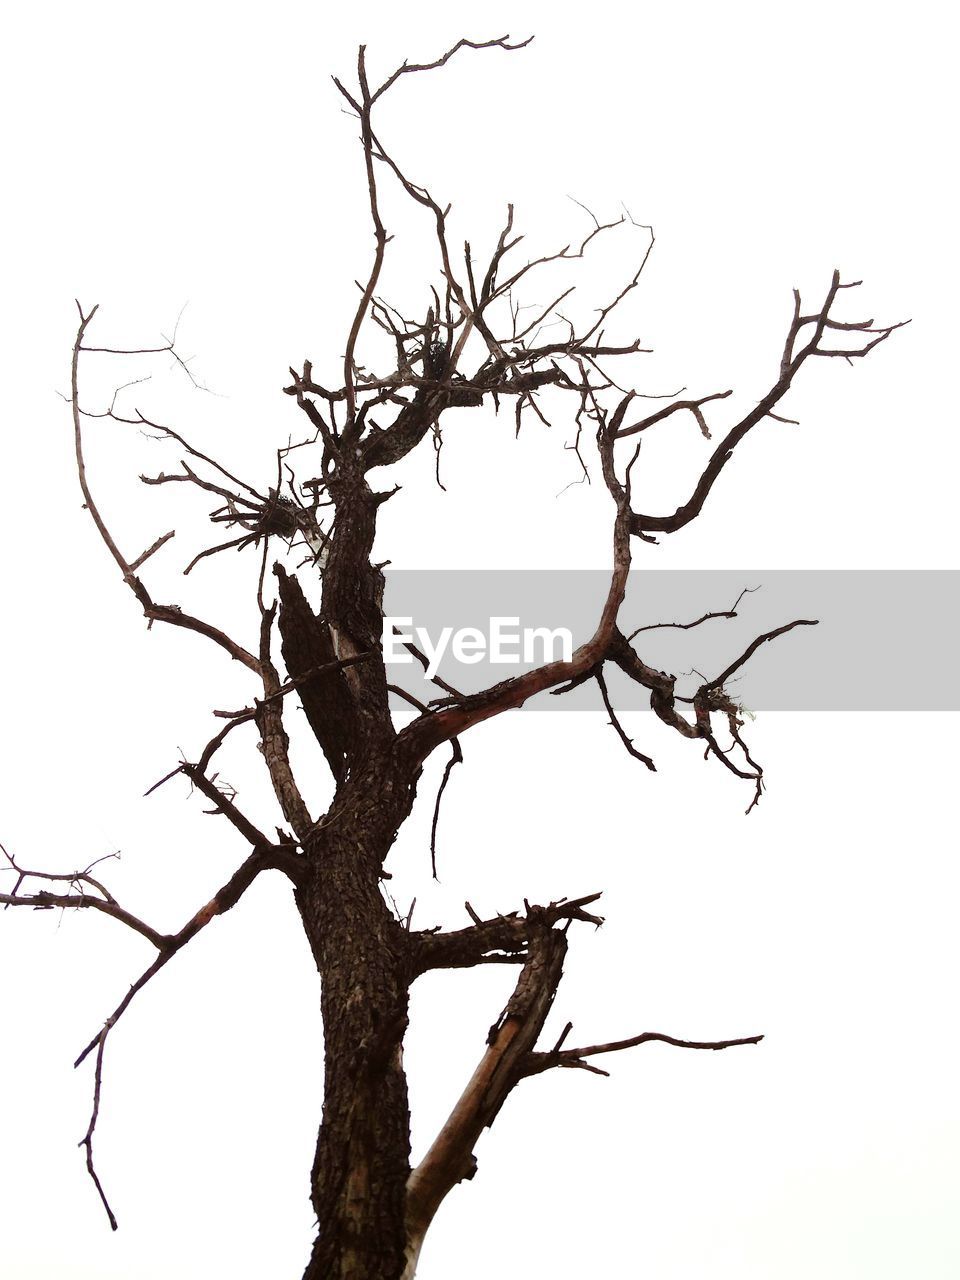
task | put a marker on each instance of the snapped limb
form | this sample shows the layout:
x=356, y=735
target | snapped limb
x=537, y=940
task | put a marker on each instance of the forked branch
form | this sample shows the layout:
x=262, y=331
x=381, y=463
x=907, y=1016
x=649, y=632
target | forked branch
x=168, y=945
x=450, y=1158
x=91, y=894
x=171, y=614
x=511, y=1055
x=797, y=349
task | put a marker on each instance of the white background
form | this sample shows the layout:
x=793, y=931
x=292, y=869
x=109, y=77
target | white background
x=161, y=154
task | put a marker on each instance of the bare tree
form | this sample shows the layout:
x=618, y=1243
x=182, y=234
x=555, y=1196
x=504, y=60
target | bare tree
x=474, y=343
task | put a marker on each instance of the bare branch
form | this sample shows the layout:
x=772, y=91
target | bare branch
x=227, y=897
x=45, y=899
x=164, y=430
x=501, y=42
x=481, y=942
x=87, y=1140
x=533, y=940
x=694, y=406
x=419, y=738
x=627, y=742
x=719, y=681
x=171, y=614
x=456, y=757
x=688, y=626
x=154, y=547
x=450, y=1158
x=223, y=804
x=273, y=737
x=793, y=359
x=537, y=1062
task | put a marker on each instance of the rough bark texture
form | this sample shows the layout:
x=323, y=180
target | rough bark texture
x=363, y=1152
x=362, y=952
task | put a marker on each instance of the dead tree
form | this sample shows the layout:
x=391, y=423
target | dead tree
x=472, y=344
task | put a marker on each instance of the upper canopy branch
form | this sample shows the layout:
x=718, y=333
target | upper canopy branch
x=710, y=699
x=373, y=151
x=407, y=68
x=171, y=614
x=459, y=712
x=429, y=353
x=793, y=358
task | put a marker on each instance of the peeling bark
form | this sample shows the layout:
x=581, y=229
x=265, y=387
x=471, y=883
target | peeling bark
x=509, y=1042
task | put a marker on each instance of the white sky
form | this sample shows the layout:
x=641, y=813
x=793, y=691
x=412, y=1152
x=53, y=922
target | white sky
x=197, y=152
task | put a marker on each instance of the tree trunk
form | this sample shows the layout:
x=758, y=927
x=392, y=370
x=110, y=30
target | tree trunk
x=359, y=1179
x=363, y=1151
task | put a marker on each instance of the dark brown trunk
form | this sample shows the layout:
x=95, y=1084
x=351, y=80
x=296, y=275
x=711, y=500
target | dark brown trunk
x=363, y=1152
x=362, y=1164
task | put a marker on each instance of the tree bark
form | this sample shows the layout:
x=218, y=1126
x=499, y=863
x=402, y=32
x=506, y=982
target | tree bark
x=362, y=952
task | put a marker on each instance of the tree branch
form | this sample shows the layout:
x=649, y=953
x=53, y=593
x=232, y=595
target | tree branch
x=793, y=359
x=45, y=899
x=271, y=857
x=501, y=939
x=171, y=614
x=450, y=1158
x=537, y=1062
x=273, y=738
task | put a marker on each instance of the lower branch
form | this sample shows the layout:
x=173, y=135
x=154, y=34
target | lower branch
x=82, y=881
x=456, y=757
x=510, y=1042
x=501, y=939
x=168, y=945
x=534, y=940
x=537, y=1062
